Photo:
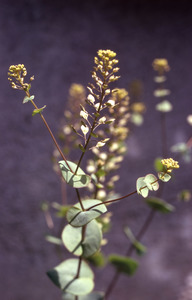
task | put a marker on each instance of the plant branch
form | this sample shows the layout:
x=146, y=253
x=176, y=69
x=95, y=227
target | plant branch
x=93, y=127
x=113, y=200
x=79, y=198
x=130, y=250
x=163, y=134
x=51, y=134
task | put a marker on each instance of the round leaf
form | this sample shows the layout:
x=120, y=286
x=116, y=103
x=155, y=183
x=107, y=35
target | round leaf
x=79, y=180
x=64, y=276
x=27, y=99
x=77, y=218
x=141, y=186
x=164, y=176
x=151, y=182
x=38, y=110
x=72, y=239
x=92, y=296
x=80, y=286
x=92, y=241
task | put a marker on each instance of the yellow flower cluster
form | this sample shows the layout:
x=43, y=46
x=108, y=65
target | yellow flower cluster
x=17, y=73
x=138, y=107
x=161, y=65
x=77, y=91
x=106, y=54
x=170, y=164
x=121, y=115
x=105, y=63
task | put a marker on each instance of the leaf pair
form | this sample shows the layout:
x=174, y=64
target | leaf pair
x=144, y=184
x=64, y=276
x=76, y=179
x=77, y=217
x=72, y=239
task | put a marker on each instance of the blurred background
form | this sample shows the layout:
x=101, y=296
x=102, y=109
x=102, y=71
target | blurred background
x=57, y=41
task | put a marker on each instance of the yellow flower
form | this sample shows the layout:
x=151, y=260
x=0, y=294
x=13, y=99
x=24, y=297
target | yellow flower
x=16, y=76
x=138, y=107
x=106, y=54
x=161, y=65
x=170, y=164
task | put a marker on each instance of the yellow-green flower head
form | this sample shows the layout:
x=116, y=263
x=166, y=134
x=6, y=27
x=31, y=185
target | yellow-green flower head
x=16, y=76
x=161, y=65
x=170, y=164
x=138, y=107
x=17, y=71
x=77, y=91
x=120, y=94
x=106, y=54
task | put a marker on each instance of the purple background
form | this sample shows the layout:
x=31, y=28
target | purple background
x=57, y=40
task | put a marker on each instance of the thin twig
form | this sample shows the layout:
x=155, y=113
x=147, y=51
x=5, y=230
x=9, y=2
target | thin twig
x=52, y=136
x=131, y=248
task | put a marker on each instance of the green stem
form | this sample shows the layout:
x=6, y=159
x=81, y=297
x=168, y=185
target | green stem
x=51, y=134
x=130, y=250
x=79, y=198
x=80, y=258
x=121, y=198
x=113, y=200
x=163, y=134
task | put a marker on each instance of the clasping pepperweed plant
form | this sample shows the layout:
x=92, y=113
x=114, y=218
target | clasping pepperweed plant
x=99, y=137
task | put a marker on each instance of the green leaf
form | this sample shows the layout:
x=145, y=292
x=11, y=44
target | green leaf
x=94, y=135
x=100, y=173
x=53, y=240
x=72, y=239
x=180, y=147
x=27, y=99
x=141, y=187
x=124, y=264
x=92, y=296
x=62, y=210
x=28, y=87
x=158, y=165
x=140, y=248
x=151, y=182
x=159, y=204
x=77, y=218
x=79, y=180
x=38, y=110
x=81, y=148
x=164, y=106
x=64, y=276
x=97, y=259
x=165, y=177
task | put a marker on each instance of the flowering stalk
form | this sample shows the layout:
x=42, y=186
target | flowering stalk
x=103, y=74
x=161, y=66
x=17, y=74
